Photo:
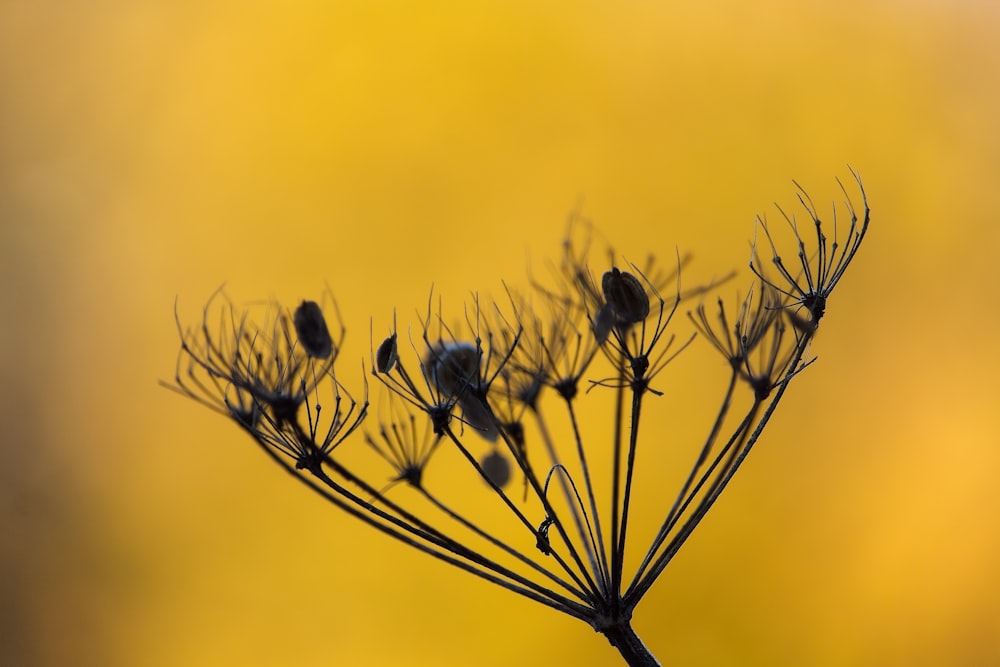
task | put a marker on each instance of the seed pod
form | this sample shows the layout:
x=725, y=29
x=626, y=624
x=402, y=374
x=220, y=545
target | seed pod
x=479, y=416
x=452, y=366
x=387, y=355
x=311, y=329
x=626, y=296
x=802, y=324
x=496, y=467
x=604, y=321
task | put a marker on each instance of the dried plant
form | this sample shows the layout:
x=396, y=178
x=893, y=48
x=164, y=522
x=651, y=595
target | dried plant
x=492, y=391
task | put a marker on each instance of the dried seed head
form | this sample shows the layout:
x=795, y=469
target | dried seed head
x=387, y=355
x=311, y=329
x=454, y=370
x=626, y=296
x=496, y=467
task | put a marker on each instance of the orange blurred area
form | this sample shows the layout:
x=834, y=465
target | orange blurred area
x=151, y=152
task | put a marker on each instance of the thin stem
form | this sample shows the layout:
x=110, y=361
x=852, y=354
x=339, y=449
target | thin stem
x=623, y=637
x=592, y=593
x=454, y=547
x=616, y=565
x=604, y=571
x=705, y=450
x=499, y=543
x=736, y=440
x=453, y=556
x=719, y=485
x=637, y=394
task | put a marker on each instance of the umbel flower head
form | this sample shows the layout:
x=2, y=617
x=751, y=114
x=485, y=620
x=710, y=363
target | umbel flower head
x=820, y=270
x=272, y=378
x=501, y=390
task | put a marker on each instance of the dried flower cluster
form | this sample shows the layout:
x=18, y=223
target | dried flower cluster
x=489, y=392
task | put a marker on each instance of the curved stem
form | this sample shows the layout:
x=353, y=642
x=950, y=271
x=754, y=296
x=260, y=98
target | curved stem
x=589, y=587
x=586, y=538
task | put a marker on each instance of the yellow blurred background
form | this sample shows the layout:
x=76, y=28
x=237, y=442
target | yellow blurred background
x=156, y=150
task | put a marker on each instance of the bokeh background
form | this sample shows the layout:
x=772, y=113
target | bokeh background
x=152, y=151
